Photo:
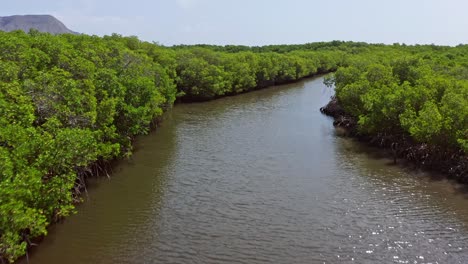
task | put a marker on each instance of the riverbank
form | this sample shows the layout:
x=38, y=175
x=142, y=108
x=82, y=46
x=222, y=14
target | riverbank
x=63, y=121
x=104, y=168
x=264, y=173
x=61, y=118
x=187, y=99
x=450, y=162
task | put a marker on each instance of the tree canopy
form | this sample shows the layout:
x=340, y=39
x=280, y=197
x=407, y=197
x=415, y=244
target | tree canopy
x=69, y=102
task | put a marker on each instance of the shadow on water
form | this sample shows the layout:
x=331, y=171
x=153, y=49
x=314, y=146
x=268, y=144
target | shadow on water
x=378, y=167
x=354, y=146
x=116, y=212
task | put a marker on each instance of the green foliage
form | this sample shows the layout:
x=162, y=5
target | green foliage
x=421, y=91
x=424, y=125
x=69, y=101
x=65, y=103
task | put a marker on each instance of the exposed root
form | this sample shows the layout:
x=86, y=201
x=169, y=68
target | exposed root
x=451, y=162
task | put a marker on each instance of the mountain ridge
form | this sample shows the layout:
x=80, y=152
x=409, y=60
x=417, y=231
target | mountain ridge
x=42, y=23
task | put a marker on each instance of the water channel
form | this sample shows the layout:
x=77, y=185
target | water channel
x=262, y=177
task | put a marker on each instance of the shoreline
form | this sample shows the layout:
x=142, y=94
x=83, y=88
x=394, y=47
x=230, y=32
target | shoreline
x=187, y=99
x=103, y=168
x=452, y=163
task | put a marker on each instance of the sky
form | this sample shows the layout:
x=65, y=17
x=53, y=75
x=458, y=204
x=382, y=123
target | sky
x=260, y=22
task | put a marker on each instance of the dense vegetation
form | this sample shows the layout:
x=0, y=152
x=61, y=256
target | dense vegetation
x=70, y=103
x=418, y=91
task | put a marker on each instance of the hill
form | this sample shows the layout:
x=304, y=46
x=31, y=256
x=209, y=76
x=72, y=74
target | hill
x=43, y=23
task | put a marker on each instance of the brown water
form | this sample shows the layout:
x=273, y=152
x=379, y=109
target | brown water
x=261, y=178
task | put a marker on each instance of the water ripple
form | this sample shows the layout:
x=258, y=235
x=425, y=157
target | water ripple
x=262, y=178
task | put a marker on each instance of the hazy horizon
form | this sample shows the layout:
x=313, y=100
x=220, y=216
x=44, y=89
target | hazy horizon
x=260, y=22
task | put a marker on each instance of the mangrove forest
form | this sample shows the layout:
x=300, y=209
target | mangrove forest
x=72, y=104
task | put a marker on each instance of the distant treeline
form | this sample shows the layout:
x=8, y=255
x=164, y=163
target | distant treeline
x=70, y=103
